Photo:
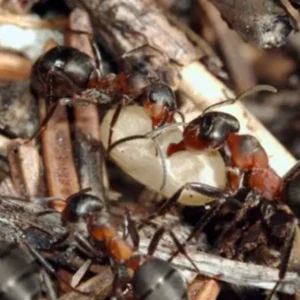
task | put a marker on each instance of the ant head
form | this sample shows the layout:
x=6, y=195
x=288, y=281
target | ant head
x=213, y=128
x=81, y=205
x=160, y=103
x=218, y=125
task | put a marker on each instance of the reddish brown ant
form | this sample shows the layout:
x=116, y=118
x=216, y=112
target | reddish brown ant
x=244, y=155
x=152, y=278
x=69, y=76
x=214, y=130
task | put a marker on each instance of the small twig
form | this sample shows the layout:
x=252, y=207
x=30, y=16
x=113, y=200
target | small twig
x=14, y=66
x=26, y=169
x=90, y=163
x=202, y=288
x=77, y=277
x=231, y=47
x=230, y=271
x=99, y=286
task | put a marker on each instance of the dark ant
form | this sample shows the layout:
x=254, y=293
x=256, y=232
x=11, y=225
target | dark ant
x=69, y=76
x=152, y=277
x=24, y=228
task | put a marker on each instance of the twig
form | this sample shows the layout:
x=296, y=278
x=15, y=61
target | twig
x=77, y=277
x=99, y=286
x=58, y=158
x=13, y=66
x=228, y=270
x=26, y=169
x=89, y=163
x=27, y=21
x=202, y=288
x=231, y=47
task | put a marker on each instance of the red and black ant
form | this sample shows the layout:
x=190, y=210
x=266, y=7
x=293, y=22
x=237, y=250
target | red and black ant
x=214, y=130
x=152, y=278
x=69, y=76
x=243, y=154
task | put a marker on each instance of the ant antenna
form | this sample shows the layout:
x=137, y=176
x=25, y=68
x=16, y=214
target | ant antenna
x=253, y=90
x=98, y=58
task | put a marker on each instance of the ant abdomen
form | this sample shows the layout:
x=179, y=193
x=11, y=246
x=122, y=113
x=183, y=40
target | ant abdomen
x=158, y=279
x=64, y=70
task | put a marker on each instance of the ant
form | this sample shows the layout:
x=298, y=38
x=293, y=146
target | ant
x=214, y=130
x=151, y=277
x=243, y=154
x=68, y=76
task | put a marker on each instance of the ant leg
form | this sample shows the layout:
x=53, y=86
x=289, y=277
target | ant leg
x=286, y=253
x=99, y=60
x=132, y=229
x=113, y=122
x=125, y=101
x=200, y=225
x=51, y=294
x=42, y=126
x=250, y=202
x=158, y=236
x=198, y=187
x=118, y=281
x=48, y=267
x=84, y=245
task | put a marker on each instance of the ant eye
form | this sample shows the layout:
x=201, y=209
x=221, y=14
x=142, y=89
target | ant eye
x=207, y=125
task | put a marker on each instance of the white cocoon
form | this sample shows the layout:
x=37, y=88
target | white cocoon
x=139, y=158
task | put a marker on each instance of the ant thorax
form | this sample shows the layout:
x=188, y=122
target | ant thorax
x=141, y=160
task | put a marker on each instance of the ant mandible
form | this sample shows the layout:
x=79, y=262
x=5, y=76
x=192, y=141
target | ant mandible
x=152, y=278
x=69, y=76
